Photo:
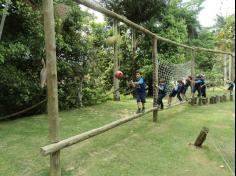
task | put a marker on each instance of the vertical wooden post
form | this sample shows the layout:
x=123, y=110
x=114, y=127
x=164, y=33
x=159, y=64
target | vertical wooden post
x=51, y=66
x=116, y=94
x=192, y=63
x=225, y=69
x=2, y=23
x=233, y=68
x=134, y=48
x=155, y=77
x=230, y=67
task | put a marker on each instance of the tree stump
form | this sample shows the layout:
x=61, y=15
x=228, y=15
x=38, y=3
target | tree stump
x=212, y=100
x=201, y=137
x=204, y=101
x=200, y=101
x=194, y=100
x=217, y=98
x=224, y=98
x=231, y=97
x=221, y=99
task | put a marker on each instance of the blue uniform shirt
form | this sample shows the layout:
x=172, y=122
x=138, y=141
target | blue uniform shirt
x=141, y=85
x=162, y=89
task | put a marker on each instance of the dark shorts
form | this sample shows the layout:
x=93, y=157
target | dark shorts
x=141, y=97
x=183, y=89
x=173, y=93
x=231, y=88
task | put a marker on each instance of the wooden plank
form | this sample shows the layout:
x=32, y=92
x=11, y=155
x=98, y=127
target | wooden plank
x=51, y=67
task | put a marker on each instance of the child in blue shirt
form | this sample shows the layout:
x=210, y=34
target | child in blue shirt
x=139, y=86
x=203, y=86
x=161, y=92
x=230, y=87
x=175, y=91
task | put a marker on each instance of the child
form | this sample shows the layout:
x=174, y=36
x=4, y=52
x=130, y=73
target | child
x=196, y=86
x=231, y=87
x=139, y=86
x=161, y=92
x=203, y=86
x=185, y=87
x=175, y=91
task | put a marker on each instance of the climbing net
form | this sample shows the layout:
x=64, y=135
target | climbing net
x=173, y=72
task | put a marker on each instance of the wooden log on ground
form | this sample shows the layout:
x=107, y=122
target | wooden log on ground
x=190, y=101
x=200, y=101
x=221, y=99
x=201, y=137
x=51, y=148
x=204, y=101
x=224, y=98
x=194, y=100
x=214, y=100
x=211, y=100
x=231, y=98
x=217, y=98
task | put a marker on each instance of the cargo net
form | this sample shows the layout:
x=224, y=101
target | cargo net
x=173, y=72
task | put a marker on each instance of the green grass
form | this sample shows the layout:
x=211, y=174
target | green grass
x=137, y=148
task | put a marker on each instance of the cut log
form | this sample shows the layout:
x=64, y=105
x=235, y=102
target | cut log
x=201, y=137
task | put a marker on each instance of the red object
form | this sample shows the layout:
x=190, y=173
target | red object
x=119, y=74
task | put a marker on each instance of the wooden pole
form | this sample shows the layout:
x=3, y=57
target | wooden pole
x=155, y=77
x=51, y=66
x=192, y=64
x=230, y=67
x=2, y=24
x=225, y=69
x=134, y=48
x=233, y=68
x=116, y=95
x=201, y=137
x=46, y=150
x=97, y=7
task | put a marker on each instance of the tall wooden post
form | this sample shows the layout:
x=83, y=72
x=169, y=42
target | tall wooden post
x=225, y=69
x=192, y=63
x=51, y=66
x=155, y=77
x=233, y=67
x=230, y=67
x=134, y=48
x=2, y=24
x=116, y=94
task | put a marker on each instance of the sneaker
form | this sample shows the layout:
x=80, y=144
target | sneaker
x=138, y=111
x=143, y=110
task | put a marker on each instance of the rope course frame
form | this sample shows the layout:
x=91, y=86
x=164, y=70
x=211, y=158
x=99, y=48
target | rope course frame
x=49, y=28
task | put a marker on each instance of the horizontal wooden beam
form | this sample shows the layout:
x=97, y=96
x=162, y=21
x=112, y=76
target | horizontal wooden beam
x=49, y=149
x=97, y=7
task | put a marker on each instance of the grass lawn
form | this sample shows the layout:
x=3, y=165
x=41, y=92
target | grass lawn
x=137, y=148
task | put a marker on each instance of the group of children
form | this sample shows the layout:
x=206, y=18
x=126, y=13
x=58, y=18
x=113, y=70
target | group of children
x=197, y=85
x=180, y=89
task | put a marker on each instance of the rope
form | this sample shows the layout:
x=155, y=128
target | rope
x=22, y=111
x=222, y=156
